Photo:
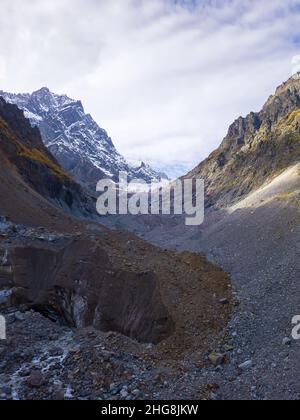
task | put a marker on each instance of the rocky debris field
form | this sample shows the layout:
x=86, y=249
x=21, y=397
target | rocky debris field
x=162, y=318
x=17, y=232
x=259, y=247
x=43, y=360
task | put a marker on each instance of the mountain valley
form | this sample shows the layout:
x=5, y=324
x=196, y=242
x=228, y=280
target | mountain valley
x=151, y=317
x=79, y=297
x=252, y=231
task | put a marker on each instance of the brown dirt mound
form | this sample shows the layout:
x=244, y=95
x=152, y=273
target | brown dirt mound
x=116, y=282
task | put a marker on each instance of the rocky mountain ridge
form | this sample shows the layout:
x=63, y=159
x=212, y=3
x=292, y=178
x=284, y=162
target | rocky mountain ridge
x=256, y=148
x=81, y=147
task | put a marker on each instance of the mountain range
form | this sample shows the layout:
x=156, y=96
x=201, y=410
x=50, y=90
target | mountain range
x=149, y=318
x=82, y=148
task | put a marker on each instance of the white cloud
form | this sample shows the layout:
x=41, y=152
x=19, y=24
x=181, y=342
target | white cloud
x=296, y=64
x=2, y=68
x=164, y=78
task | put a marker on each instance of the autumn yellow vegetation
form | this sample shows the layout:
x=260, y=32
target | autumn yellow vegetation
x=34, y=154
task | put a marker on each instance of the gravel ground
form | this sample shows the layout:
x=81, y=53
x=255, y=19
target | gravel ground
x=258, y=243
x=260, y=248
x=255, y=359
x=42, y=360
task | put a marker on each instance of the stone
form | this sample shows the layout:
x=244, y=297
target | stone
x=216, y=359
x=19, y=317
x=59, y=395
x=136, y=392
x=224, y=302
x=124, y=394
x=228, y=347
x=246, y=365
x=286, y=341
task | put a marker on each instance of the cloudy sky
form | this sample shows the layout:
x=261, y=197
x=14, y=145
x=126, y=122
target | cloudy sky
x=165, y=78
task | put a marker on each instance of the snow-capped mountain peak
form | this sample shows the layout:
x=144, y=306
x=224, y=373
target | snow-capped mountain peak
x=82, y=147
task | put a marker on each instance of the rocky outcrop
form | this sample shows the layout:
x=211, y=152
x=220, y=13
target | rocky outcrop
x=79, y=286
